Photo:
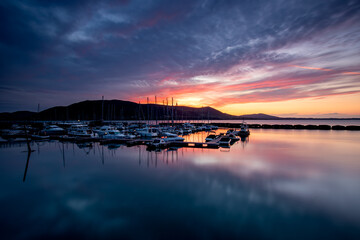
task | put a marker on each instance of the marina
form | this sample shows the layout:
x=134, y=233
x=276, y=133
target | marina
x=166, y=120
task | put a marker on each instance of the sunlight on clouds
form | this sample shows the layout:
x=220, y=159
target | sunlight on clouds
x=205, y=79
x=343, y=104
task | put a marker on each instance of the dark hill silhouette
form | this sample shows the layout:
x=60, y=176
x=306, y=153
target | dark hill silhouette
x=259, y=116
x=125, y=110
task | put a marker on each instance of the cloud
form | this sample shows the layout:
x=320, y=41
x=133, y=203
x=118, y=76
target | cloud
x=130, y=49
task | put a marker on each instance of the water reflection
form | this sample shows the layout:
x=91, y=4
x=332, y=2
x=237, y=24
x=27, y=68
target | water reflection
x=270, y=187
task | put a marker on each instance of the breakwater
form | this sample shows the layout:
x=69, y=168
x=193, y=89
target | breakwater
x=289, y=126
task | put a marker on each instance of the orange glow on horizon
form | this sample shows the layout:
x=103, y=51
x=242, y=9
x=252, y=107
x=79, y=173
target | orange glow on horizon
x=334, y=92
x=341, y=104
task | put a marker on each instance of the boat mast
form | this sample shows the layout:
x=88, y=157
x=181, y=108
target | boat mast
x=172, y=111
x=102, y=109
x=148, y=111
x=156, y=117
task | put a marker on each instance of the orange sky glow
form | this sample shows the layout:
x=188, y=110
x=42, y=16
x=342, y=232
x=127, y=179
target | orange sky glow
x=332, y=93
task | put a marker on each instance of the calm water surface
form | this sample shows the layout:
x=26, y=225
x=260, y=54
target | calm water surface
x=278, y=184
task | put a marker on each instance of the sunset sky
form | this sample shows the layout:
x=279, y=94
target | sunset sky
x=284, y=58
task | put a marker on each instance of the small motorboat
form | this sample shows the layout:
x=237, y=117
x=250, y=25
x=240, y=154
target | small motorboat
x=113, y=134
x=173, y=139
x=225, y=141
x=210, y=137
x=244, y=130
x=52, y=130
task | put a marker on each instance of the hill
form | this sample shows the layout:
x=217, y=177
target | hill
x=259, y=116
x=118, y=110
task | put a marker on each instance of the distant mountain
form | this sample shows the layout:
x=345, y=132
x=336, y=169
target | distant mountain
x=125, y=110
x=259, y=116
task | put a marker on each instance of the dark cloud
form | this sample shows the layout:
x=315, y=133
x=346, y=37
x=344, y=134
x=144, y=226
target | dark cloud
x=91, y=48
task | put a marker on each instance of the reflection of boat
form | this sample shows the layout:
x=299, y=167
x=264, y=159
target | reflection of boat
x=157, y=143
x=173, y=149
x=39, y=137
x=84, y=145
x=244, y=130
x=113, y=146
x=243, y=139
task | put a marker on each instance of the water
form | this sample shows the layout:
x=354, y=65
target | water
x=278, y=184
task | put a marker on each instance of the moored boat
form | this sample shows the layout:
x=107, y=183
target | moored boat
x=244, y=130
x=52, y=130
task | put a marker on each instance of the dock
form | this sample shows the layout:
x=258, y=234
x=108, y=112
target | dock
x=194, y=144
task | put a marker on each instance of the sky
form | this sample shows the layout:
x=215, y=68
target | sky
x=280, y=57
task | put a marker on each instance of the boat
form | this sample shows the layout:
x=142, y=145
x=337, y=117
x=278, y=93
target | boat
x=233, y=138
x=12, y=133
x=81, y=131
x=103, y=130
x=148, y=132
x=173, y=139
x=213, y=127
x=230, y=131
x=244, y=130
x=167, y=134
x=186, y=131
x=52, y=130
x=113, y=134
x=210, y=137
x=225, y=140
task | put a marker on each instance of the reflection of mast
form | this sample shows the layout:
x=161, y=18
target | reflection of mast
x=147, y=159
x=244, y=141
x=155, y=160
x=102, y=154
